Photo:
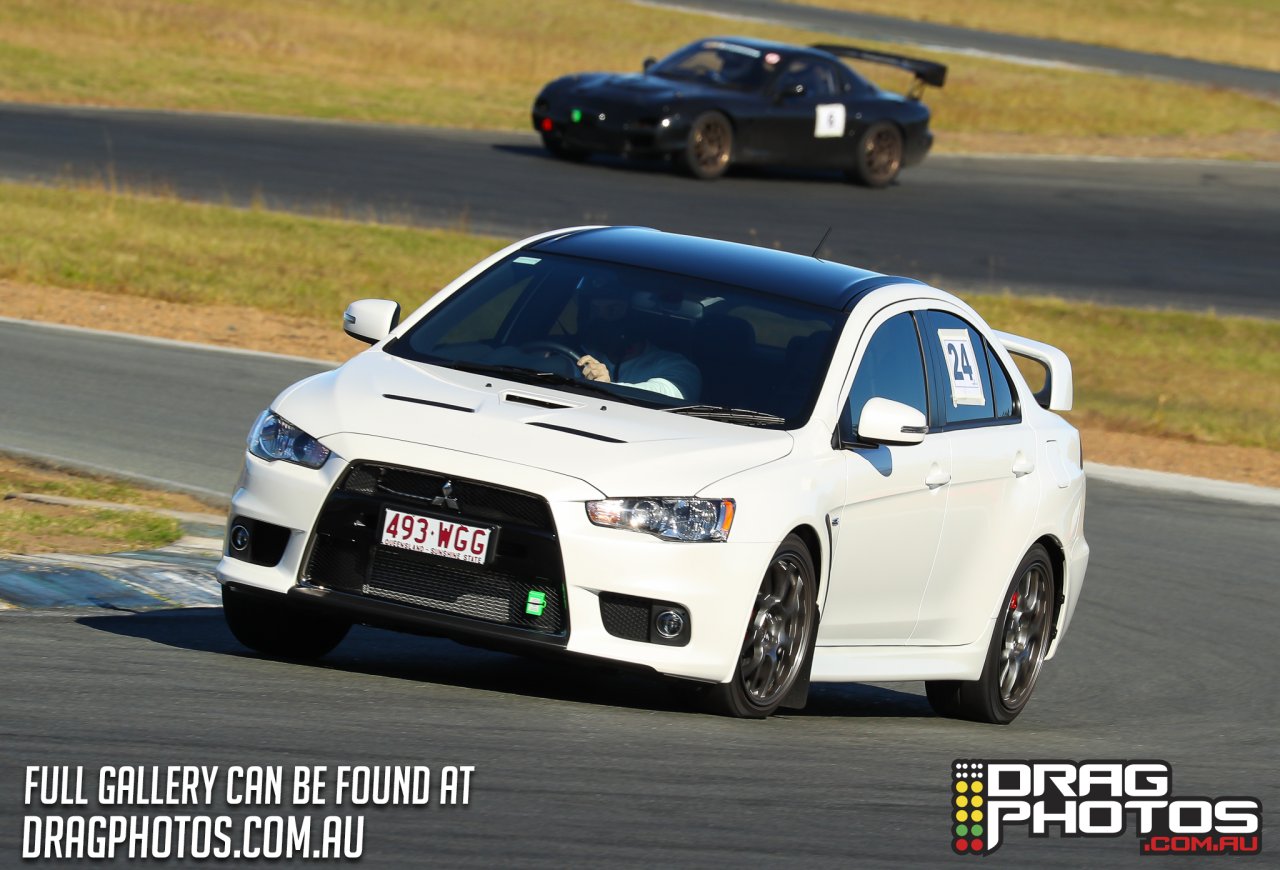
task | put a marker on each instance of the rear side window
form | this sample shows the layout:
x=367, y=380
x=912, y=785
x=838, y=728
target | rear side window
x=891, y=368
x=1001, y=386
x=973, y=385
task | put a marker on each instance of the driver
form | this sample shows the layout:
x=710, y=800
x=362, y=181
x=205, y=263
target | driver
x=614, y=351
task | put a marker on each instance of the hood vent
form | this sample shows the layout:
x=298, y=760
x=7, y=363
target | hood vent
x=536, y=401
x=433, y=404
x=593, y=435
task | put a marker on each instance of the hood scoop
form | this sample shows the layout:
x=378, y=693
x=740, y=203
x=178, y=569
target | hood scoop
x=536, y=401
x=430, y=402
x=593, y=435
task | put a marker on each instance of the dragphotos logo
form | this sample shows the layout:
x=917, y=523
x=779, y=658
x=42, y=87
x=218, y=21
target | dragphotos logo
x=1095, y=799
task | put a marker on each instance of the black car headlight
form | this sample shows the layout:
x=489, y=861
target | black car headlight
x=273, y=437
x=672, y=519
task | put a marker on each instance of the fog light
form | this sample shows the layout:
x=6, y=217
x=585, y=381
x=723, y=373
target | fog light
x=239, y=538
x=669, y=623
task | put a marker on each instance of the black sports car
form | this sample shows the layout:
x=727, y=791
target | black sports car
x=732, y=100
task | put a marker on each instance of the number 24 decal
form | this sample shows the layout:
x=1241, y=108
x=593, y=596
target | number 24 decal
x=961, y=368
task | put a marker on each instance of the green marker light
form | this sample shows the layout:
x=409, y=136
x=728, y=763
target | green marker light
x=535, y=603
x=576, y=116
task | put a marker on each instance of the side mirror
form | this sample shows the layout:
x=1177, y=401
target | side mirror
x=884, y=421
x=370, y=320
x=648, y=62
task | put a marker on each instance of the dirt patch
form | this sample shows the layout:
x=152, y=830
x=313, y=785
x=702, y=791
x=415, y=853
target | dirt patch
x=231, y=326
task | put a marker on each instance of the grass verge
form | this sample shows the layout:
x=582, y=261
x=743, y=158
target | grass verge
x=479, y=64
x=28, y=527
x=1241, y=32
x=1203, y=377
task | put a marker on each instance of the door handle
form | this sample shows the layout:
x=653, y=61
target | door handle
x=1022, y=465
x=937, y=477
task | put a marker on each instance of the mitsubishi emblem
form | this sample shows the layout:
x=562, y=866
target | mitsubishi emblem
x=446, y=498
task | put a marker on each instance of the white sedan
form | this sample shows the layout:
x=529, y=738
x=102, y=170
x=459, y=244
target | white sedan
x=742, y=468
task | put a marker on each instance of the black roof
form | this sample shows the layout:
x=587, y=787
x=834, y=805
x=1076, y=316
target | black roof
x=808, y=279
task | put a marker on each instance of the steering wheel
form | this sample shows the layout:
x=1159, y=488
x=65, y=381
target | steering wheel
x=552, y=346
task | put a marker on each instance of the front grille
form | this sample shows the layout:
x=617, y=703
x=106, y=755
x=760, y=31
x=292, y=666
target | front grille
x=461, y=588
x=475, y=500
x=625, y=616
x=347, y=555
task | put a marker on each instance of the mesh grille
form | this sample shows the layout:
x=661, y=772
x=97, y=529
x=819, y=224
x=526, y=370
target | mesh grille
x=463, y=589
x=438, y=584
x=477, y=500
x=625, y=616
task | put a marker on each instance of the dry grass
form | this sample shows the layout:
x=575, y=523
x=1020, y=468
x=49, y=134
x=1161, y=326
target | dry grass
x=478, y=64
x=1241, y=32
x=28, y=527
x=170, y=250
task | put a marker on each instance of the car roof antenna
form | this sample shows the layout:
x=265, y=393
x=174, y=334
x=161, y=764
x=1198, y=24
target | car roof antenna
x=820, y=244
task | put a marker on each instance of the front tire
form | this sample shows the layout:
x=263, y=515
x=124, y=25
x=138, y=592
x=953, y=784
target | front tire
x=778, y=637
x=878, y=156
x=1016, y=652
x=709, y=149
x=279, y=628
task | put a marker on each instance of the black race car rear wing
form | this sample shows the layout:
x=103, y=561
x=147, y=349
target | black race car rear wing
x=926, y=72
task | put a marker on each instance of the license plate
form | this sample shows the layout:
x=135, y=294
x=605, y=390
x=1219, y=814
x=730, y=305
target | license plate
x=453, y=540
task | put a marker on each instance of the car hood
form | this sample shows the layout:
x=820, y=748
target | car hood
x=637, y=88
x=619, y=449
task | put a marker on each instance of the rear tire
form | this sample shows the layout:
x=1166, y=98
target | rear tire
x=280, y=628
x=778, y=638
x=1014, y=657
x=709, y=149
x=878, y=155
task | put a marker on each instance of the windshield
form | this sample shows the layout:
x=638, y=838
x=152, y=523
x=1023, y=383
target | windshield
x=717, y=63
x=637, y=335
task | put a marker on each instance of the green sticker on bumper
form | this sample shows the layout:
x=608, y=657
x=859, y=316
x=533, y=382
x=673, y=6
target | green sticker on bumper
x=535, y=603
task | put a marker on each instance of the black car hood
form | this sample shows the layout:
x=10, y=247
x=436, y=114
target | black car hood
x=636, y=87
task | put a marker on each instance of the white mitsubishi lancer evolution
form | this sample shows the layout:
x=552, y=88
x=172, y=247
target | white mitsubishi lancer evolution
x=742, y=468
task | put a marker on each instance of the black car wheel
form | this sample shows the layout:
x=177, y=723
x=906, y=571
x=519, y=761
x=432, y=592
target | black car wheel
x=709, y=148
x=1017, y=650
x=558, y=150
x=778, y=640
x=879, y=155
x=278, y=628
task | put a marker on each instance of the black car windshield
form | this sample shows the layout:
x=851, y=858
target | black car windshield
x=719, y=63
x=657, y=339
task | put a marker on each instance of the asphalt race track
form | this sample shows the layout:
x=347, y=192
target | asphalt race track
x=1188, y=234
x=1170, y=657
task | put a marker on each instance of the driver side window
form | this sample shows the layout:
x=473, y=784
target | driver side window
x=818, y=79
x=891, y=368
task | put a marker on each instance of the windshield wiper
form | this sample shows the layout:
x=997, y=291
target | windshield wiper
x=519, y=373
x=729, y=415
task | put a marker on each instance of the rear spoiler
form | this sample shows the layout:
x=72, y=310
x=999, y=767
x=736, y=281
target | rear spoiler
x=926, y=72
x=1056, y=394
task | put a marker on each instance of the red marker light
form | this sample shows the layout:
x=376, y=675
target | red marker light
x=547, y=125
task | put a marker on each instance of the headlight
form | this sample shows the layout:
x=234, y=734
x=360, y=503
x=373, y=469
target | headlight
x=672, y=519
x=273, y=437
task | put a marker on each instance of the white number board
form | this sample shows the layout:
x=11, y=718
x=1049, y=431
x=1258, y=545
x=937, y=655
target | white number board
x=828, y=120
x=962, y=366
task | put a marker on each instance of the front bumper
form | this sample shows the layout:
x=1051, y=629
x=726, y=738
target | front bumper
x=574, y=561
x=610, y=131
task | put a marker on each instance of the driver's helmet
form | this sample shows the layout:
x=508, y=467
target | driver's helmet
x=736, y=67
